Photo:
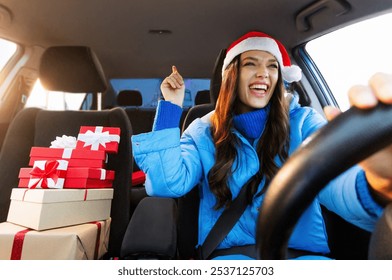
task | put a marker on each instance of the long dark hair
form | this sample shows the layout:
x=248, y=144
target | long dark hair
x=274, y=141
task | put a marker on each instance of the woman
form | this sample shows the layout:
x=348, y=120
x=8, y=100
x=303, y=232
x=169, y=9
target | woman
x=255, y=127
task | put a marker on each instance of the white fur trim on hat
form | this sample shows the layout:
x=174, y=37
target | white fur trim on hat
x=290, y=73
x=252, y=44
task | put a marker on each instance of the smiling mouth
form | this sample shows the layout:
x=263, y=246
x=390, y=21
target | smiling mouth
x=260, y=88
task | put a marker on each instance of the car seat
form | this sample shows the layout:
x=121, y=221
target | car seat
x=129, y=97
x=202, y=97
x=73, y=69
x=142, y=120
x=380, y=246
x=175, y=220
x=70, y=69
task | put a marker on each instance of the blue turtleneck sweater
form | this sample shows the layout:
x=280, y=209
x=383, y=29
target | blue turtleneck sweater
x=251, y=124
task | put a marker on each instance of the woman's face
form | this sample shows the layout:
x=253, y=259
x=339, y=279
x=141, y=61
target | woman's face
x=259, y=71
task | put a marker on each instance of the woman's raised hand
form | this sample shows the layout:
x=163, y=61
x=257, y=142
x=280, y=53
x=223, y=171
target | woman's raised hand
x=173, y=88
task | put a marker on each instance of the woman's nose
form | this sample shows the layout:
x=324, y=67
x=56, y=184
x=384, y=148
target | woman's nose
x=262, y=72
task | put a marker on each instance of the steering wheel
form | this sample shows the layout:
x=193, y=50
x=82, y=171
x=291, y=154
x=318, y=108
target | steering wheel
x=346, y=140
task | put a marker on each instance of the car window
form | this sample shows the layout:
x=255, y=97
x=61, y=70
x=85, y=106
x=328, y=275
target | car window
x=347, y=62
x=7, y=50
x=150, y=89
x=54, y=100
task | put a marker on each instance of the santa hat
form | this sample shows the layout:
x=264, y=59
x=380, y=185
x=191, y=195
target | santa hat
x=260, y=41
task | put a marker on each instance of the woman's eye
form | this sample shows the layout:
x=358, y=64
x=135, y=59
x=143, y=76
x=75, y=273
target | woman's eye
x=249, y=63
x=275, y=66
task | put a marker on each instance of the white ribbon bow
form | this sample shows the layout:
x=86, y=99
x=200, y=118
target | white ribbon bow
x=97, y=137
x=64, y=142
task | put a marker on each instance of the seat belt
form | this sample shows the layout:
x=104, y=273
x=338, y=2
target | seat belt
x=224, y=224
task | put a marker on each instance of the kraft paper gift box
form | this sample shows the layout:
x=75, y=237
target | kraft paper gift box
x=76, y=178
x=98, y=138
x=81, y=242
x=42, y=209
x=75, y=157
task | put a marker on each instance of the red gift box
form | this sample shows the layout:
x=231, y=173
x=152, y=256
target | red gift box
x=77, y=178
x=89, y=178
x=75, y=157
x=47, y=174
x=138, y=178
x=98, y=138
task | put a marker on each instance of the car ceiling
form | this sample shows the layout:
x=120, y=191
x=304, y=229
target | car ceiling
x=120, y=31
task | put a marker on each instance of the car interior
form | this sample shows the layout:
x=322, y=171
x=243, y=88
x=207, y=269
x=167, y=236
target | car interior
x=92, y=47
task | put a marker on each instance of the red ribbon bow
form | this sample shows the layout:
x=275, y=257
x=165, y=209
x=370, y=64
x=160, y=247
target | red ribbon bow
x=50, y=171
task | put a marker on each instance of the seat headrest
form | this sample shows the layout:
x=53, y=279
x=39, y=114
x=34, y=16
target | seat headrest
x=202, y=97
x=71, y=69
x=129, y=98
x=216, y=79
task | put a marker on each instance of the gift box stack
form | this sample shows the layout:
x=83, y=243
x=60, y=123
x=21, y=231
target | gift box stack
x=66, y=190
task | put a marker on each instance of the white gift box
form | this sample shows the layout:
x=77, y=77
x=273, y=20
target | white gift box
x=42, y=209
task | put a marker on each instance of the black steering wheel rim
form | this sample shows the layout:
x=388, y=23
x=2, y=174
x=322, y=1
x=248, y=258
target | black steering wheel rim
x=342, y=143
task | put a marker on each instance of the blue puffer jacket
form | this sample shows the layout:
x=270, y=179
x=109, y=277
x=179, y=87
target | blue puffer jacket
x=175, y=165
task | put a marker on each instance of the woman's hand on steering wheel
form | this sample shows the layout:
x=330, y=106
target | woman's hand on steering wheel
x=378, y=167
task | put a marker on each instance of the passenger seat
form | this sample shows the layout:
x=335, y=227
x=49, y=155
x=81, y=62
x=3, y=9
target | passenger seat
x=202, y=97
x=131, y=101
x=142, y=119
x=71, y=69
